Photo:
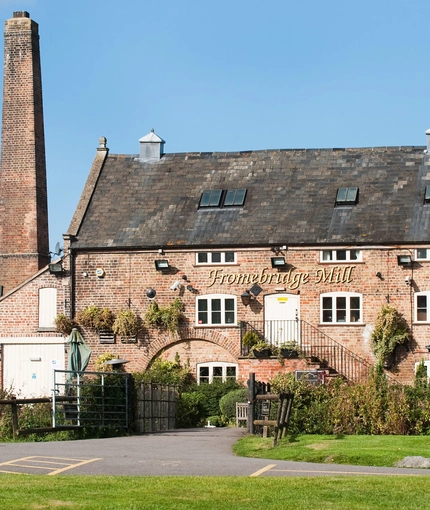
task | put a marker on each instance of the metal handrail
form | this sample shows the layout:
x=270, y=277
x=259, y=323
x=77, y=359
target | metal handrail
x=313, y=344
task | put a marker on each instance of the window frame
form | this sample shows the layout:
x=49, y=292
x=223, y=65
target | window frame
x=238, y=198
x=211, y=263
x=210, y=311
x=335, y=309
x=350, y=198
x=341, y=261
x=426, y=307
x=427, y=257
x=216, y=364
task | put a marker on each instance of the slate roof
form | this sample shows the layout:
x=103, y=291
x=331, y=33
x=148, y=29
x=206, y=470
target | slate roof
x=290, y=199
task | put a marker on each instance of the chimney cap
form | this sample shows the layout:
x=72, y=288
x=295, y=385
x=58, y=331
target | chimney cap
x=21, y=14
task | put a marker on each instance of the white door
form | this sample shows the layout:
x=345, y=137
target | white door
x=281, y=313
x=28, y=368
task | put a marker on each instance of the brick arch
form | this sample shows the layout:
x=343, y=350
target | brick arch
x=228, y=342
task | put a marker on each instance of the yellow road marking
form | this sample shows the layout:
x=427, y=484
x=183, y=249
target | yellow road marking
x=72, y=466
x=263, y=470
x=67, y=463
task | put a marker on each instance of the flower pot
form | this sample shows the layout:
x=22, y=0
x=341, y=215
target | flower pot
x=262, y=353
x=289, y=353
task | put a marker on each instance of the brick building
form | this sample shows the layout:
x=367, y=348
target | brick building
x=303, y=245
x=295, y=245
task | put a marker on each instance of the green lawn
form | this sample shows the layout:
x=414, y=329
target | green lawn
x=354, y=450
x=212, y=493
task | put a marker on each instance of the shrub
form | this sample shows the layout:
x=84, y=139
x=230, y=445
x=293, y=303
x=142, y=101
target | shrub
x=167, y=372
x=212, y=394
x=227, y=403
x=189, y=410
x=390, y=331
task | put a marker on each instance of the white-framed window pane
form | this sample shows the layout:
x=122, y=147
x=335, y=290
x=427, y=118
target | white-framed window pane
x=421, y=308
x=229, y=257
x=202, y=311
x=341, y=309
x=354, y=309
x=202, y=258
x=216, y=311
x=327, y=309
x=203, y=375
x=229, y=311
x=422, y=254
x=327, y=255
x=216, y=257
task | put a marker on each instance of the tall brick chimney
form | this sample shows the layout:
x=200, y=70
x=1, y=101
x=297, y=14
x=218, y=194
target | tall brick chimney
x=24, y=243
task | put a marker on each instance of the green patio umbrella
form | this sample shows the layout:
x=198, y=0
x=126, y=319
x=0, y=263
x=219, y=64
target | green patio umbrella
x=79, y=354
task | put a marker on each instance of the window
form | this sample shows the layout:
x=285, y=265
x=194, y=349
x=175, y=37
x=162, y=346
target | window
x=216, y=310
x=347, y=196
x=216, y=371
x=211, y=198
x=422, y=300
x=341, y=256
x=216, y=257
x=422, y=254
x=222, y=198
x=427, y=195
x=344, y=308
x=47, y=307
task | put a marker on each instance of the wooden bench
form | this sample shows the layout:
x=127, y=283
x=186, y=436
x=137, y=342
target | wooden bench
x=241, y=412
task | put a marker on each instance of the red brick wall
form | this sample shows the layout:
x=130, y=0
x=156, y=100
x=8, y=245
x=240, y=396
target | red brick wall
x=24, y=247
x=128, y=276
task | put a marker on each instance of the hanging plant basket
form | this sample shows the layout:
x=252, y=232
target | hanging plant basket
x=96, y=318
x=127, y=325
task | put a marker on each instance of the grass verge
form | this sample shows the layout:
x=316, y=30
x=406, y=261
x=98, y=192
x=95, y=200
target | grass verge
x=70, y=492
x=353, y=450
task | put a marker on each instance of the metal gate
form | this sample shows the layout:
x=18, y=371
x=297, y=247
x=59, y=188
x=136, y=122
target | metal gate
x=95, y=399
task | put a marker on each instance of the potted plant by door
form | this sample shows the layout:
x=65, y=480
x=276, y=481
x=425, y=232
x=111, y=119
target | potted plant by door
x=249, y=339
x=289, y=349
x=261, y=349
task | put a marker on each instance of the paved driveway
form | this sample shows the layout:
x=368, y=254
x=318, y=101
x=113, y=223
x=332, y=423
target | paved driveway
x=190, y=452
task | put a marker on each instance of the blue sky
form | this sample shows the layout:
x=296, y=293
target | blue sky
x=224, y=76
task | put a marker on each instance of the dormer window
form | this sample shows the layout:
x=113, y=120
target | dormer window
x=347, y=196
x=222, y=198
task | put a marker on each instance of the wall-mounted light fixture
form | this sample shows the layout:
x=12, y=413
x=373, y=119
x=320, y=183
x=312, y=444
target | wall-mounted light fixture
x=428, y=347
x=56, y=267
x=278, y=262
x=379, y=275
x=161, y=264
x=246, y=298
x=161, y=251
x=404, y=260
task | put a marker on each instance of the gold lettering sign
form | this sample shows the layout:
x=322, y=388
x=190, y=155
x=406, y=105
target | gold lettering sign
x=291, y=280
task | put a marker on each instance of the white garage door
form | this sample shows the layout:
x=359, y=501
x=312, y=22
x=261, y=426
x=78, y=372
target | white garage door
x=28, y=368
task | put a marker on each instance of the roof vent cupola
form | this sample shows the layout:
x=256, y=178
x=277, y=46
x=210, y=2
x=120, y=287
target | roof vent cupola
x=151, y=148
x=428, y=140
